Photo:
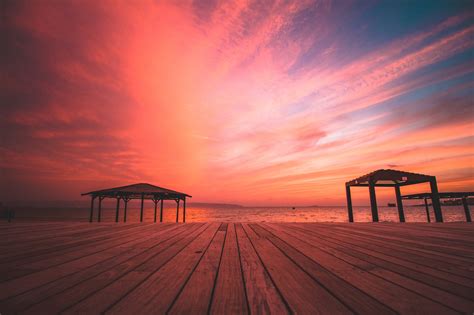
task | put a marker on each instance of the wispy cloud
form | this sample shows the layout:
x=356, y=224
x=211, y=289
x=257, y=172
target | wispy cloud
x=250, y=101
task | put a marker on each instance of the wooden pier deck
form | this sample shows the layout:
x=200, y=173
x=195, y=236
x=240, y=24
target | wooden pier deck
x=236, y=268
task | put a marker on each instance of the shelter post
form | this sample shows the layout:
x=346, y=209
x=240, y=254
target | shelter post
x=156, y=202
x=184, y=209
x=349, y=203
x=373, y=202
x=117, y=209
x=161, y=211
x=91, y=216
x=427, y=210
x=401, y=214
x=125, y=200
x=100, y=208
x=141, y=209
x=466, y=209
x=177, y=210
x=435, y=200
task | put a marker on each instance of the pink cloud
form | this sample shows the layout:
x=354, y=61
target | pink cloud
x=213, y=102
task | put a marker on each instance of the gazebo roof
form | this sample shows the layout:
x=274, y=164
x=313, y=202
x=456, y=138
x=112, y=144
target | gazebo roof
x=389, y=178
x=137, y=190
x=442, y=195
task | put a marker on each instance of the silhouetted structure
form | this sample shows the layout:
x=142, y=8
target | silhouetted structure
x=137, y=191
x=396, y=179
x=445, y=195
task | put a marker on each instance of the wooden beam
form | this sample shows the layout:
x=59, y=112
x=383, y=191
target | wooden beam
x=373, y=202
x=349, y=204
x=100, y=208
x=427, y=210
x=91, y=216
x=184, y=209
x=161, y=211
x=177, y=210
x=117, y=209
x=435, y=200
x=156, y=202
x=401, y=214
x=125, y=209
x=141, y=209
x=466, y=210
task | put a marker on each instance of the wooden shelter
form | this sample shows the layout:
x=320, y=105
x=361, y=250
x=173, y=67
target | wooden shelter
x=396, y=179
x=444, y=195
x=140, y=191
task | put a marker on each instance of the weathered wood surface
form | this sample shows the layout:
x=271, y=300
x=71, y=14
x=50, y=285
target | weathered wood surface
x=236, y=268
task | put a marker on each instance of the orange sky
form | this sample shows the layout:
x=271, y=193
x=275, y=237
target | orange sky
x=241, y=102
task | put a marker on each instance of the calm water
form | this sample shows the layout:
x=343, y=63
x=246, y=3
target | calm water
x=243, y=214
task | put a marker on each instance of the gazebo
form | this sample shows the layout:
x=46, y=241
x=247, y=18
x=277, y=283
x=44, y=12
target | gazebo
x=396, y=179
x=445, y=195
x=137, y=191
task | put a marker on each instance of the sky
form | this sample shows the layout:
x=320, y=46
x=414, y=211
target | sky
x=249, y=102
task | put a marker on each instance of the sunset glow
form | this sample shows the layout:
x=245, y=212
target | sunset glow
x=249, y=102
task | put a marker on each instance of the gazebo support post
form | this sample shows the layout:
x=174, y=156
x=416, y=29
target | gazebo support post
x=125, y=200
x=141, y=209
x=100, y=208
x=401, y=214
x=466, y=209
x=161, y=211
x=91, y=216
x=435, y=200
x=349, y=203
x=117, y=209
x=184, y=209
x=373, y=202
x=427, y=210
x=156, y=202
x=177, y=210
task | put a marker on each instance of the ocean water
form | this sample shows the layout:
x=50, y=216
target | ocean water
x=241, y=214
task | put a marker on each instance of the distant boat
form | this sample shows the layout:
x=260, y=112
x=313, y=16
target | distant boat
x=391, y=204
x=293, y=208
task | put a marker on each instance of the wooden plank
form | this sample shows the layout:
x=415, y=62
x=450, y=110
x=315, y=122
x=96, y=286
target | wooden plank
x=98, y=302
x=196, y=294
x=129, y=249
x=104, y=299
x=455, y=264
x=262, y=295
x=397, y=298
x=259, y=268
x=68, y=245
x=55, y=258
x=229, y=292
x=358, y=301
x=301, y=293
x=438, y=238
x=386, y=271
x=17, y=286
x=49, y=258
x=41, y=233
x=403, y=259
x=414, y=271
x=103, y=284
x=157, y=293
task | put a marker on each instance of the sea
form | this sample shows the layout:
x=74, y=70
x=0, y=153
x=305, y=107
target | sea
x=237, y=214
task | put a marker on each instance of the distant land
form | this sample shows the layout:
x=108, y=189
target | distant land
x=209, y=204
